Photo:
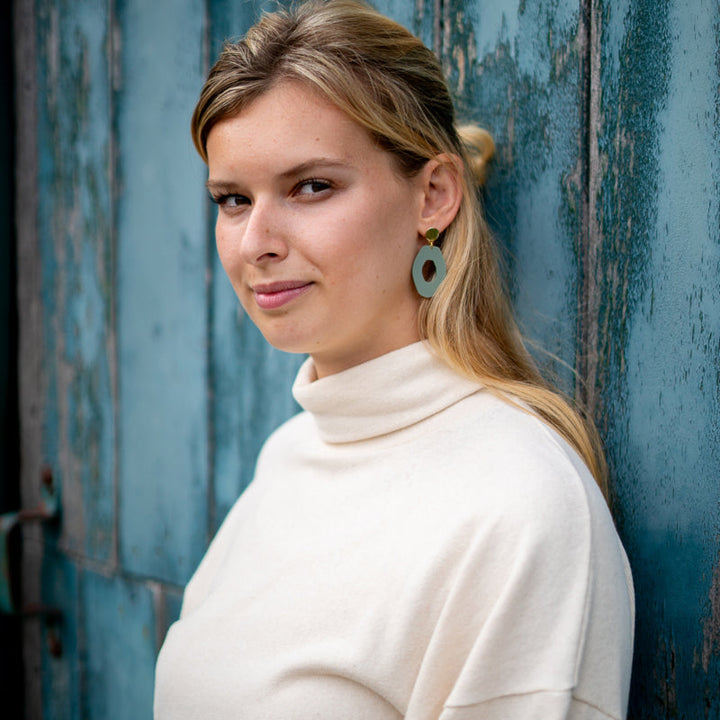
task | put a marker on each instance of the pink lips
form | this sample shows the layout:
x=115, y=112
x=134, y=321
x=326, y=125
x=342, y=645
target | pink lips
x=274, y=295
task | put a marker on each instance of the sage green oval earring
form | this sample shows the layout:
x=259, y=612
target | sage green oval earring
x=433, y=255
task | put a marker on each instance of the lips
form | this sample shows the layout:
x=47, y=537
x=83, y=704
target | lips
x=270, y=296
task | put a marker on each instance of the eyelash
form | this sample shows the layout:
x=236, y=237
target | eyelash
x=327, y=185
x=223, y=199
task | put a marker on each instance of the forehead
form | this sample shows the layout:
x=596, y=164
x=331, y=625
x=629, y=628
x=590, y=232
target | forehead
x=294, y=118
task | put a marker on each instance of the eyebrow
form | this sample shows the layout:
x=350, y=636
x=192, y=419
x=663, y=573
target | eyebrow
x=321, y=162
x=221, y=186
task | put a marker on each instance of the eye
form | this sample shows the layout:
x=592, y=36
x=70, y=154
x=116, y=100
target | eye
x=230, y=201
x=312, y=186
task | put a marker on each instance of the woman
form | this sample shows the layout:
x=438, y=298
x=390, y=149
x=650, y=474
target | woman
x=426, y=540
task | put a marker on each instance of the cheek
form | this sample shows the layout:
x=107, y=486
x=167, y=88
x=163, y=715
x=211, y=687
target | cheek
x=226, y=246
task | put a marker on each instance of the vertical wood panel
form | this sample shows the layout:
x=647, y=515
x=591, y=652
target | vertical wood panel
x=657, y=210
x=57, y=691
x=517, y=69
x=161, y=291
x=75, y=235
x=71, y=414
x=119, y=622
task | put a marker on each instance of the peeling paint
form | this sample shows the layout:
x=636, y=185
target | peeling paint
x=711, y=625
x=659, y=256
x=666, y=678
x=75, y=234
x=526, y=87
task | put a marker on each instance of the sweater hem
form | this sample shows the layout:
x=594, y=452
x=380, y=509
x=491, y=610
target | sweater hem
x=512, y=696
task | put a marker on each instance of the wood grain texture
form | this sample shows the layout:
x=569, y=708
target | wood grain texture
x=71, y=416
x=517, y=69
x=119, y=648
x=162, y=291
x=656, y=207
x=75, y=236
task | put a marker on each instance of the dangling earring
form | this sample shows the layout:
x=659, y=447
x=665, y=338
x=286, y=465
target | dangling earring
x=429, y=254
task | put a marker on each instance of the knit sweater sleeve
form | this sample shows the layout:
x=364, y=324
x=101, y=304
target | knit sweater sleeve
x=542, y=643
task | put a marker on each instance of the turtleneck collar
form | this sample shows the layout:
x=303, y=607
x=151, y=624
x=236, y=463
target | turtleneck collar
x=381, y=396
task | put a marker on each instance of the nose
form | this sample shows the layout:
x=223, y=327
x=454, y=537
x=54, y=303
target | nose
x=263, y=237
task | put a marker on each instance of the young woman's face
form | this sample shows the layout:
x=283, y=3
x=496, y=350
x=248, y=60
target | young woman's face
x=316, y=229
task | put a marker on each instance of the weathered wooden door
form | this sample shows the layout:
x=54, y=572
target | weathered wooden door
x=147, y=393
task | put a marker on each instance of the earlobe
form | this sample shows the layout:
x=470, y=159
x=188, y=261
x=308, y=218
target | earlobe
x=442, y=186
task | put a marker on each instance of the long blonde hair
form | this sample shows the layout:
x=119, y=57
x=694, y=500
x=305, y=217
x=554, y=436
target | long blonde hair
x=388, y=82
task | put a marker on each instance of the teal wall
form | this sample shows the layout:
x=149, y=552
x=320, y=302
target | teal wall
x=148, y=391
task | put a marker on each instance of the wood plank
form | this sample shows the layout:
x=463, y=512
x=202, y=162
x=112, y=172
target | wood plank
x=57, y=686
x=517, y=69
x=656, y=210
x=119, y=656
x=75, y=255
x=161, y=291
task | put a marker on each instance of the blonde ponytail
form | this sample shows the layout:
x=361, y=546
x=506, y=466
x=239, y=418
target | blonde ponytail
x=480, y=149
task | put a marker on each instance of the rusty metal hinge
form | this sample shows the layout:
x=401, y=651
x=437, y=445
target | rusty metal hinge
x=47, y=511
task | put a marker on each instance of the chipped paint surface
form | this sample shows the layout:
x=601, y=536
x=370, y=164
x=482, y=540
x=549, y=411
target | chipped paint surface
x=657, y=208
x=517, y=69
x=711, y=623
x=157, y=392
x=75, y=235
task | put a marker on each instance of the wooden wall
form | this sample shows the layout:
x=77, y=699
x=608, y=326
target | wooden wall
x=148, y=392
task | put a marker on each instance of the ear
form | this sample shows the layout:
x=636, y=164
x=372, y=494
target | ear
x=442, y=192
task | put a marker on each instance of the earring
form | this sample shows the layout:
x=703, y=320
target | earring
x=433, y=255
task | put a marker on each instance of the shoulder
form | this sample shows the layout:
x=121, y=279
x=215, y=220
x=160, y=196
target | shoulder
x=517, y=460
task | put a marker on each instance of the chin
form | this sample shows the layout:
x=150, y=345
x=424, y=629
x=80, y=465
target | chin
x=286, y=344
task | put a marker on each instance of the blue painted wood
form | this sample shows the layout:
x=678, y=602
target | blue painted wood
x=161, y=291
x=75, y=238
x=657, y=208
x=516, y=69
x=252, y=384
x=119, y=631
x=60, y=674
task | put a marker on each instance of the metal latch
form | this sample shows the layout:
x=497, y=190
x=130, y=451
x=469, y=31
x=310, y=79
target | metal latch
x=47, y=510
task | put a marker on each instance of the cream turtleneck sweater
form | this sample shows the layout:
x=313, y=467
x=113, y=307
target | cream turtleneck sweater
x=411, y=547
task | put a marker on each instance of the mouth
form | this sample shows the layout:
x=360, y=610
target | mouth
x=270, y=296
